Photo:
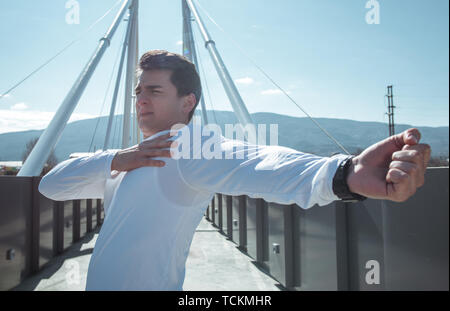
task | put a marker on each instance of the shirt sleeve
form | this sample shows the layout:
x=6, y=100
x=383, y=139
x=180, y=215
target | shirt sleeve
x=79, y=178
x=273, y=173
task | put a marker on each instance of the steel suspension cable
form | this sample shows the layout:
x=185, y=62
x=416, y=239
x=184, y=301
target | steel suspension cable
x=106, y=93
x=200, y=64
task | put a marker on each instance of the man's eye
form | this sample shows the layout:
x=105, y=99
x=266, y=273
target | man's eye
x=156, y=92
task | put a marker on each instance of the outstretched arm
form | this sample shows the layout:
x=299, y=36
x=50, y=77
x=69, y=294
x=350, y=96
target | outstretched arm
x=392, y=169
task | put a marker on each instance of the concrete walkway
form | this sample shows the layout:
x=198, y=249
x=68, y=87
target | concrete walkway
x=214, y=264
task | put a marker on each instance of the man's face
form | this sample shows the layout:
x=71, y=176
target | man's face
x=158, y=106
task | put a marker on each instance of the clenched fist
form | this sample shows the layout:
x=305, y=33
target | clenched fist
x=391, y=169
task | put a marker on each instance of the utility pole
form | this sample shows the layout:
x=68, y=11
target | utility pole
x=390, y=110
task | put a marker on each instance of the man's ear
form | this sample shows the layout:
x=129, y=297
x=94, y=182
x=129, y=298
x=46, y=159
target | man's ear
x=189, y=103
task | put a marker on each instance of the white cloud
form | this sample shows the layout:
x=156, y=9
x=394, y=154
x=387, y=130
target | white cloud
x=245, y=80
x=23, y=120
x=273, y=92
x=19, y=106
x=180, y=42
x=5, y=95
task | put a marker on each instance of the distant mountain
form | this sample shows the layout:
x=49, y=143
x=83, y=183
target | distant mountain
x=297, y=133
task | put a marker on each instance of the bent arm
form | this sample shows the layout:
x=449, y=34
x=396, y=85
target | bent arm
x=79, y=178
x=274, y=173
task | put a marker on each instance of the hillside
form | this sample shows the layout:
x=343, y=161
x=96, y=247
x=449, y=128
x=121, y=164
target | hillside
x=298, y=133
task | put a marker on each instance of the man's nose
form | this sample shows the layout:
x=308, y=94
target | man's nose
x=140, y=100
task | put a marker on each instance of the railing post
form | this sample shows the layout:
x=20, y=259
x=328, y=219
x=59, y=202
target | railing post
x=35, y=225
x=88, y=215
x=243, y=222
x=99, y=212
x=76, y=221
x=58, y=227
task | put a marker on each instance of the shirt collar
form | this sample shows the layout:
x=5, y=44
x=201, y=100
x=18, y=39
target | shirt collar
x=167, y=131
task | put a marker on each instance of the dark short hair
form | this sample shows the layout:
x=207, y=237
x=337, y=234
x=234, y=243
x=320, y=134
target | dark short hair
x=184, y=75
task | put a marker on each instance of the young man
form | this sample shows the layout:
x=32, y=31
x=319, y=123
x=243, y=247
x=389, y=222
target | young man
x=153, y=202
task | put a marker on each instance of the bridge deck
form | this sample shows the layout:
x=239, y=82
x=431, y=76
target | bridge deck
x=214, y=263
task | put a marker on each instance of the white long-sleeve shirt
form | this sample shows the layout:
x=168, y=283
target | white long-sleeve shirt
x=151, y=213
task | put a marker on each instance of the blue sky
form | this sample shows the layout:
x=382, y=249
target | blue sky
x=322, y=52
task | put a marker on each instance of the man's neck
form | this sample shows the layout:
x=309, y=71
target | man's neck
x=152, y=133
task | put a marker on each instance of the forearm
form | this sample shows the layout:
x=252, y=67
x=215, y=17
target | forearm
x=78, y=178
x=352, y=181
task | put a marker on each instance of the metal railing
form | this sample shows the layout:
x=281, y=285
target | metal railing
x=372, y=245
x=34, y=229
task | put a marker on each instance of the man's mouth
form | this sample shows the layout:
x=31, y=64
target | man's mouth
x=145, y=114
